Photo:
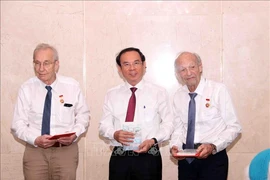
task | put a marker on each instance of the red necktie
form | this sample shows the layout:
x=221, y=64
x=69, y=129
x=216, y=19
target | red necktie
x=131, y=106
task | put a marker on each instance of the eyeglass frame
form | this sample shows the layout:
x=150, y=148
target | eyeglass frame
x=183, y=70
x=45, y=64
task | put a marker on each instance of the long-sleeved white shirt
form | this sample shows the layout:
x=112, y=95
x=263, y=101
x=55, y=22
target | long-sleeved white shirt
x=216, y=121
x=27, y=120
x=152, y=113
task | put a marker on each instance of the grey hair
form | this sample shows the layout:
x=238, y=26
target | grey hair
x=198, y=58
x=43, y=46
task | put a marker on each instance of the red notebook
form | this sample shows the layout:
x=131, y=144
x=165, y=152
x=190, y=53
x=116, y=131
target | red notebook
x=57, y=136
x=188, y=153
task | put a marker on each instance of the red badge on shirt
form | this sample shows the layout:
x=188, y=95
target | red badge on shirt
x=207, y=102
x=61, y=99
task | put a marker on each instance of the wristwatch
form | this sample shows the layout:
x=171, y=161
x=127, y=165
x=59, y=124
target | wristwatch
x=155, y=140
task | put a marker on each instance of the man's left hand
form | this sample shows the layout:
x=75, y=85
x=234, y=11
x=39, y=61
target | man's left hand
x=145, y=146
x=67, y=140
x=205, y=150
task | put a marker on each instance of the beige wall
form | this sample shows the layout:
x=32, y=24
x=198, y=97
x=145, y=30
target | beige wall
x=231, y=37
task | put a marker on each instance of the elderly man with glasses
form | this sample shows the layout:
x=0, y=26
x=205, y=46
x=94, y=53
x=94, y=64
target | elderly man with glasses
x=47, y=105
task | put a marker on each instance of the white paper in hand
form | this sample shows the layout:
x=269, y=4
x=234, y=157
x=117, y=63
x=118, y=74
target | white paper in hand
x=188, y=153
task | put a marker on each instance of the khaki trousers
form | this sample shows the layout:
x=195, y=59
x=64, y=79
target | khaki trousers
x=54, y=163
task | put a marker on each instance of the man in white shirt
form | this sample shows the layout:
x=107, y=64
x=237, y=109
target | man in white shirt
x=66, y=112
x=216, y=124
x=136, y=153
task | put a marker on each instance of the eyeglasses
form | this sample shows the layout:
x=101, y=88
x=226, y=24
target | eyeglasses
x=135, y=64
x=183, y=69
x=45, y=64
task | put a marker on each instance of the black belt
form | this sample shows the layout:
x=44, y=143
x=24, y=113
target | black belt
x=57, y=144
x=195, y=145
x=119, y=151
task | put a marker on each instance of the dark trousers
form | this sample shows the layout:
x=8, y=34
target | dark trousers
x=215, y=167
x=128, y=165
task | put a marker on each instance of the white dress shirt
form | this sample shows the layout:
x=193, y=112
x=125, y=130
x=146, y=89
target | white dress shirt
x=152, y=113
x=216, y=120
x=27, y=120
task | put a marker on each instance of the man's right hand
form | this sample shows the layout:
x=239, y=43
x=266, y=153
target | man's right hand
x=174, y=150
x=124, y=137
x=44, y=142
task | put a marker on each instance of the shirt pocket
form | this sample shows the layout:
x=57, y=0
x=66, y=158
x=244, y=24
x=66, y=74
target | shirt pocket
x=67, y=114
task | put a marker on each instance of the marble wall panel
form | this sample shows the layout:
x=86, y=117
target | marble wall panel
x=246, y=71
x=24, y=24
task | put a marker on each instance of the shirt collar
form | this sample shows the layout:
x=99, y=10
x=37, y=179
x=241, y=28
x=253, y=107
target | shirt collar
x=53, y=85
x=140, y=85
x=199, y=89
